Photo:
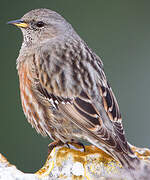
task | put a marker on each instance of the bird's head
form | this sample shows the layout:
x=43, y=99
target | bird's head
x=41, y=24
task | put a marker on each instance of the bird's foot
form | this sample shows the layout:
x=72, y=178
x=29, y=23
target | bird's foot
x=74, y=144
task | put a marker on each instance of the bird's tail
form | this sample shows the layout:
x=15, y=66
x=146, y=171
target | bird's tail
x=128, y=161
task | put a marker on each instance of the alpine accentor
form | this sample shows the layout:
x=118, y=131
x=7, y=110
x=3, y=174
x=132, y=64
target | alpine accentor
x=64, y=91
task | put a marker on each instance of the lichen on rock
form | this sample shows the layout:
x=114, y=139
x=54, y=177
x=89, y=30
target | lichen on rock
x=73, y=163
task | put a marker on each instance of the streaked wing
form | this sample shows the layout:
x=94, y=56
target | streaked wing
x=65, y=81
x=84, y=114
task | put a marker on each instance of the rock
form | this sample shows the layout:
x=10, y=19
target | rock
x=75, y=164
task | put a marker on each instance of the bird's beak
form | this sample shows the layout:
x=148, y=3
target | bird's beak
x=19, y=23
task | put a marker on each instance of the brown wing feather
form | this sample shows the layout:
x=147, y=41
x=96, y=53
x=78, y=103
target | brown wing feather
x=112, y=109
x=71, y=98
x=91, y=125
x=83, y=112
x=99, y=135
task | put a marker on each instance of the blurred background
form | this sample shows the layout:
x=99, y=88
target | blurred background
x=118, y=31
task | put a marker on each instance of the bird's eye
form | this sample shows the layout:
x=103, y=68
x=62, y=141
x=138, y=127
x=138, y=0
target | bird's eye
x=40, y=24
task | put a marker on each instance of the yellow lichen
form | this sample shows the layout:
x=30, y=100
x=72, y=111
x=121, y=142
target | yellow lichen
x=94, y=161
x=48, y=166
x=77, y=177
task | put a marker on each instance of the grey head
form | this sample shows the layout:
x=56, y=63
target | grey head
x=41, y=24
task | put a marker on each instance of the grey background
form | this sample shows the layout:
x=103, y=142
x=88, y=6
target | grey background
x=118, y=31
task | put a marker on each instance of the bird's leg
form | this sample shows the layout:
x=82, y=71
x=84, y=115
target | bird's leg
x=74, y=142
x=67, y=143
x=53, y=145
x=82, y=145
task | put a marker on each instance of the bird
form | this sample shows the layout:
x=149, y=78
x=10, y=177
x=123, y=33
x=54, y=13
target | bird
x=64, y=91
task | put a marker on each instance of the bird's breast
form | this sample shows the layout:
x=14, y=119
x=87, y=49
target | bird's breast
x=33, y=110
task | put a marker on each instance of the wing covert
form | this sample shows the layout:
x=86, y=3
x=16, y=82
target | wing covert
x=75, y=102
